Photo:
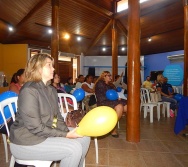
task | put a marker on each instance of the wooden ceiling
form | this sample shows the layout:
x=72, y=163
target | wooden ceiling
x=161, y=20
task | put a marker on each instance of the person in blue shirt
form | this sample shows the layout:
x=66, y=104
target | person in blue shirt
x=162, y=87
x=168, y=86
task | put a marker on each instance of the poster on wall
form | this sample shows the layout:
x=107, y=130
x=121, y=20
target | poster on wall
x=174, y=73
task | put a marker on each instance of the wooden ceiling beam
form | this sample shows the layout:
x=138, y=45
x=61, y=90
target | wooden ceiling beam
x=31, y=13
x=94, y=8
x=27, y=17
x=100, y=34
x=122, y=28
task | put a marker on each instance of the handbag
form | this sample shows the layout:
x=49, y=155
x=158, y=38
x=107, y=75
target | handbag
x=74, y=117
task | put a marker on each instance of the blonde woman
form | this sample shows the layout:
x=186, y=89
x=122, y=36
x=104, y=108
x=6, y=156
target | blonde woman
x=102, y=85
x=165, y=96
x=39, y=132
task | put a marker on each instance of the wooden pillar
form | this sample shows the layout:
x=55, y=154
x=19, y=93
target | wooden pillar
x=114, y=51
x=55, y=34
x=133, y=63
x=185, y=47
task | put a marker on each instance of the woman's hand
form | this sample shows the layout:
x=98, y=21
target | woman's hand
x=72, y=134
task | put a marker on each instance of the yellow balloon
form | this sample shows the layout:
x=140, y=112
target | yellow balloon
x=98, y=122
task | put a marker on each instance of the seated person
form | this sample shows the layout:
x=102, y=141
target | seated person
x=169, y=86
x=79, y=81
x=102, y=85
x=95, y=79
x=148, y=84
x=17, y=81
x=55, y=82
x=165, y=96
x=69, y=85
x=15, y=86
x=118, y=82
x=39, y=131
x=87, y=86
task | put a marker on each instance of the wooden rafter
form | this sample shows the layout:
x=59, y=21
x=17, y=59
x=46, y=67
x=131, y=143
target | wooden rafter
x=93, y=8
x=27, y=17
x=31, y=13
x=120, y=25
x=100, y=34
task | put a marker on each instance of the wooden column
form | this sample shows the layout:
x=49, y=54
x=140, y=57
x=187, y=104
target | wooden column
x=133, y=63
x=185, y=47
x=55, y=34
x=114, y=51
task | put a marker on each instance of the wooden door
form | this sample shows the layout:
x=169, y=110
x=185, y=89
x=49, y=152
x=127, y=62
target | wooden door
x=65, y=70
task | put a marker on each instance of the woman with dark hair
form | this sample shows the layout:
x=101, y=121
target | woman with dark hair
x=13, y=79
x=55, y=82
x=69, y=85
x=39, y=131
x=102, y=85
x=17, y=81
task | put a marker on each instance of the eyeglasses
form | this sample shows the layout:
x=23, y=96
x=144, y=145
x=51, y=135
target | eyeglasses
x=109, y=75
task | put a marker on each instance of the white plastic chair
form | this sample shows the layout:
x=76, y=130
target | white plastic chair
x=35, y=163
x=148, y=105
x=8, y=102
x=166, y=109
x=65, y=104
x=121, y=94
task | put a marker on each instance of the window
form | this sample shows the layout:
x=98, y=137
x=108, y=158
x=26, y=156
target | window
x=123, y=5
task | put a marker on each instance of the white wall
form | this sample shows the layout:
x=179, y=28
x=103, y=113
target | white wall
x=99, y=62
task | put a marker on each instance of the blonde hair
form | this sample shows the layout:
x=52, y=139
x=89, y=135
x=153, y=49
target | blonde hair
x=34, y=65
x=101, y=77
x=159, y=77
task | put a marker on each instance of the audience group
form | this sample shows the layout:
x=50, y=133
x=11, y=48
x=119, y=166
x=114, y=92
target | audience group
x=43, y=132
x=39, y=128
x=161, y=90
x=95, y=88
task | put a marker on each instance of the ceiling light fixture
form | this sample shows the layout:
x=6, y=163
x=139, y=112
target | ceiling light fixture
x=10, y=28
x=103, y=49
x=79, y=38
x=149, y=39
x=66, y=36
x=123, y=48
x=50, y=31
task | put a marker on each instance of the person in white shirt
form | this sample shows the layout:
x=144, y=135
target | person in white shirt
x=87, y=86
x=80, y=81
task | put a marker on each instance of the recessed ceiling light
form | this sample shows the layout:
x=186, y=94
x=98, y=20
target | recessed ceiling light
x=66, y=36
x=79, y=38
x=149, y=39
x=50, y=31
x=123, y=48
x=10, y=28
x=103, y=49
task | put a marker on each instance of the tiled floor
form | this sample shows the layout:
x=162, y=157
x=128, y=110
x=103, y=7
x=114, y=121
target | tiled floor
x=158, y=147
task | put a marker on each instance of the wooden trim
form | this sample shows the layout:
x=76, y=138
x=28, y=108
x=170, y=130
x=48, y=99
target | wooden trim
x=94, y=8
